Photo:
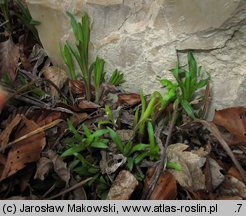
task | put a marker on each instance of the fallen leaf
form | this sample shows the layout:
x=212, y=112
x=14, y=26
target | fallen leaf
x=215, y=131
x=123, y=186
x=55, y=75
x=130, y=99
x=24, y=151
x=110, y=163
x=4, y=136
x=60, y=166
x=38, y=55
x=191, y=174
x=84, y=105
x=43, y=117
x=232, y=187
x=78, y=118
x=234, y=120
x=44, y=165
x=165, y=188
x=217, y=176
x=9, y=57
x=235, y=173
x=229, y=198
x=77, y=87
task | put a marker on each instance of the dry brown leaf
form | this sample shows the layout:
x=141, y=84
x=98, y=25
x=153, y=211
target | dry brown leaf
x=110, y=163
x=44, y=165
x=4, y=136
x=43, y=117
x=191, y=174
x=130, y=99
x=229, y=198
x=165, y=188
x=215, y=131
x=55, y=75
x=77, y=87
x=9, y=57
x=235, y=173
x=216, y=175
x=84, y=105
x=25, y=151
x=232, y=187
x=123, y=186
x=234, y=120
x=78, y=118
x=60, y=166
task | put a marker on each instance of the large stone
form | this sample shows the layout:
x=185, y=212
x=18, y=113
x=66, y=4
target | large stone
x=143, y=38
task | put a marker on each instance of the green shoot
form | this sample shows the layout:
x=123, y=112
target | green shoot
x=98, y=77
x=90, y=140
x=79, y=50
x=116, y=78
x=188, y=82
x=110, y=118
x=128, y=149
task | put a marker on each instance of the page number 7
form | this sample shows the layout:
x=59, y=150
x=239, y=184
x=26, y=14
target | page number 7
x=239, y=207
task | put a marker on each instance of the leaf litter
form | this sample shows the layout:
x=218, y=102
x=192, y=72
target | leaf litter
x=44, y=113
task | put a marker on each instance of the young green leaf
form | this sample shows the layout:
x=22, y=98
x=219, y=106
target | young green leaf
x=188, y=109
x=116, y=140
x=100, y=145
x=71, y=151
x=73, y=130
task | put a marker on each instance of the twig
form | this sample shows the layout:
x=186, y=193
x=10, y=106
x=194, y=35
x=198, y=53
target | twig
x=206, y=100
x=71, y=188
x=160, y=167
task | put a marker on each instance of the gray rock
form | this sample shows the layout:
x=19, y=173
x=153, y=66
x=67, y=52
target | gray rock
x=143, y=38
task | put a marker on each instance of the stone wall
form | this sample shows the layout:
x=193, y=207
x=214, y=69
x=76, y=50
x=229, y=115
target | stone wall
x=144, y=38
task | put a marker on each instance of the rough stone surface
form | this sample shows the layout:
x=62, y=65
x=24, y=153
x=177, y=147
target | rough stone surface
x=143, y=38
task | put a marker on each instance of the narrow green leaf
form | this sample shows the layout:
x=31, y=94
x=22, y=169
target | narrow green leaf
x=100, y=145
x=192, y=65
x=151, y=136
x=116, y=140
x=139, y=147
x=130, y=163
x=202, y=83
x=188, y=109
x=73, y=130
x=71, y=151
x=140, y=157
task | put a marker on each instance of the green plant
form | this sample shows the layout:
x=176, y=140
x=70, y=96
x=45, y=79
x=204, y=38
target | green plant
x=146, y=112
x=128, y=149
x=78, y=54
x=98, y=76
x=152, y=152
x=26, y=19
x=188, y=82
x=110, y=118
x=23, y=15
x=89, y=141
x=116, y=78
x=156, y=104
x=79, y=51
